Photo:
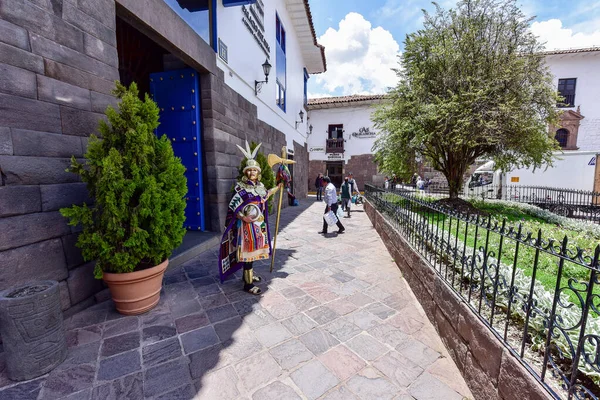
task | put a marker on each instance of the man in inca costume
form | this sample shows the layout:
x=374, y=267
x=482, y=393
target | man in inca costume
x=247, y=237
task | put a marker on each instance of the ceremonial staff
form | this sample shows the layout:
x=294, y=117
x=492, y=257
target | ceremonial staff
x=283, y=176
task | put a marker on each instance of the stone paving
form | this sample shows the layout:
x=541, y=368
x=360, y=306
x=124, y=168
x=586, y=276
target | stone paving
x=336, y=321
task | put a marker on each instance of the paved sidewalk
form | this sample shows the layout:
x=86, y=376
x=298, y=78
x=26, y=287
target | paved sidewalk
x=336, y=321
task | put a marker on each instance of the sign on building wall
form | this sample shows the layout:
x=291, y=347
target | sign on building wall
x=222, y=51
x=254, y=18
x=316, y=149
x=335, y=156
x=364, y=132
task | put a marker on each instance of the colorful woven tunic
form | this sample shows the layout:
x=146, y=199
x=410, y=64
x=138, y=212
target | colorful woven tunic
x=242, y=241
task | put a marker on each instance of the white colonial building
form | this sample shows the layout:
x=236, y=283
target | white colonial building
x=577, y=78
x=342, y=138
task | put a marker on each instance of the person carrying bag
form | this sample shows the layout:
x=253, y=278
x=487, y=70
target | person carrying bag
x=331, y=206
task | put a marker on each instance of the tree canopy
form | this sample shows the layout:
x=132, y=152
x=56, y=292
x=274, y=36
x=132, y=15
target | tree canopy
x=473, y=83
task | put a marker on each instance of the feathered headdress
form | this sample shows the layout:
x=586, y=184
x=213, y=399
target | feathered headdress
x=251, y=163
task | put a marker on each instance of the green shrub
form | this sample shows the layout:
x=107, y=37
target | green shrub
x=138, y=188
x=267, y=174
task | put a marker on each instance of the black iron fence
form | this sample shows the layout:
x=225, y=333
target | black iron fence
x=580, y=204
x=539, y=296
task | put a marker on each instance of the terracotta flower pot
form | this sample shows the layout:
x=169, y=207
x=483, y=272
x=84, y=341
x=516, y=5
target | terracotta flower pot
x=136, y=292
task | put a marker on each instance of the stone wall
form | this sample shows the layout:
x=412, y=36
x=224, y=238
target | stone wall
x=301, y=169
x=58, y=62
x=488, y=367
x=362, y=166
x=315, y=167
x=229, y=119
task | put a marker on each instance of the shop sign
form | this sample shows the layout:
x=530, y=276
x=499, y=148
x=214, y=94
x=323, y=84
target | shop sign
x=335, y=156
x=222, y=51
x=364, y=132
x=316, y=149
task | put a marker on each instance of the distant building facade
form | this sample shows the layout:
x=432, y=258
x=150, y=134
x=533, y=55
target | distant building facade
x=577, y=79
x=342, y=138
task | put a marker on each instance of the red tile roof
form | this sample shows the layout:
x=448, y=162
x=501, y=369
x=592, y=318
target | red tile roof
x=314, y=34
x=571, y=51
x=344, y=100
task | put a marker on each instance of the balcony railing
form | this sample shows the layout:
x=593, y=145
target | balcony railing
x=335, y=146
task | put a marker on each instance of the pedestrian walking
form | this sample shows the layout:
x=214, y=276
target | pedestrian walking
x=319, y=187
x=345, y=190
x=330, y=204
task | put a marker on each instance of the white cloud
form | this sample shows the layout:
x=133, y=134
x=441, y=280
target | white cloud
x=556, y=36
x=360, y=58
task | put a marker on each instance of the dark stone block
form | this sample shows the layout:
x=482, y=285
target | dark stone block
x=77, y=77
x=55, y=197
x=18, y=112
x=184, y=392
x=86, y=318
x=156, y=333
x=42, y=22
x=32, y=332
x=83, y=21
x=80, y=355
x=16, y=200
x=79, y=122
x=55, y=91
x=129, y=387
x=42, y=144
x=25, y=229
x=121, y=365
x=121, y=326
x=82, y=283
x=65, y=299
x=13, y=35
x=72, y=252
x=63, y=383
x=100, y=50
x=54, y=51
x=17, y=81
x=100, y=101
x=203, y=361
x=35, y=171
x=190, y=322
x=515, y=382
x=42, y=260
x=101, y=10
x=160, y=352
x=199, y=339
x=165, y=377
x=6, y=146
x=21, y=58
x=120, y=344
x=23, y=391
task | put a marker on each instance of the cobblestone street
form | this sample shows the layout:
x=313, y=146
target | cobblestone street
x=336, y=321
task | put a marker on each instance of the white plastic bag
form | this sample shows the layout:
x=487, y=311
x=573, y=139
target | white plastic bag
x=330, y=218
x=340, y=213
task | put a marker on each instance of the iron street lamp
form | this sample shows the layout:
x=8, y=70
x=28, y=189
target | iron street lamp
x=301, y=115
x=258, y=84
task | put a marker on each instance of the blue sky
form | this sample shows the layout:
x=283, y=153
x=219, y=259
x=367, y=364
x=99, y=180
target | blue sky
x=363, y=38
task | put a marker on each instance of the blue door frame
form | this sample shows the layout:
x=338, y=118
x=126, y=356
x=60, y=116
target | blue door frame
x=177, y=95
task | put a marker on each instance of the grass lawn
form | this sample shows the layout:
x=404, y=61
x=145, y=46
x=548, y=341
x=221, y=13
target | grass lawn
x=548, y=264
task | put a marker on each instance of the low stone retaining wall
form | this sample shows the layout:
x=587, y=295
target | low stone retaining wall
x=488, y=367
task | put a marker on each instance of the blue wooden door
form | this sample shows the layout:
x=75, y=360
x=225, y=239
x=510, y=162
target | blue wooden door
x=177, y=95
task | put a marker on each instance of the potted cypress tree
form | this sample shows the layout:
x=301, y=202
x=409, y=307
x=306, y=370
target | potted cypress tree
x=138, y=187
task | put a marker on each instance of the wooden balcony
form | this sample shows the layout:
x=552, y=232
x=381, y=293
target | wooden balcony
x=335, y=146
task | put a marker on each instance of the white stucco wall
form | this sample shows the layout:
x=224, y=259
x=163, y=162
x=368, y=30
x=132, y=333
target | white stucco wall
x=353, y=118
x=244, y=66
x=586, y=68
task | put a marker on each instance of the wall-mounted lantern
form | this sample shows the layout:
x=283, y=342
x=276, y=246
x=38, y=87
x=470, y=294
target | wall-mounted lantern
x=258, y=84
x=301, y=115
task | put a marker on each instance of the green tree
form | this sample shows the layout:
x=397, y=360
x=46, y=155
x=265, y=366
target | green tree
x=138, y=187
x=472, y=84
x=267, y=176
